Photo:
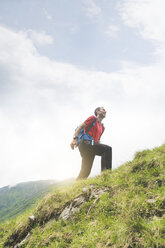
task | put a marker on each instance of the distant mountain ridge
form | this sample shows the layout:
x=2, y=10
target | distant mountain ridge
x=16, y=199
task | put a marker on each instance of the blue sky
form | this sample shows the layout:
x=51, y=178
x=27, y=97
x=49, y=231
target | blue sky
x=60, y=60
x=79, y=28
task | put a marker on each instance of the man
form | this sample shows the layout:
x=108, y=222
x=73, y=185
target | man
x=88, y=149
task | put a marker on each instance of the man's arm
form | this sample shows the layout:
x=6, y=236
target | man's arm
x=74, y=141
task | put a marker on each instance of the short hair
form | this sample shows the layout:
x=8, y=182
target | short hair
x=97, y=109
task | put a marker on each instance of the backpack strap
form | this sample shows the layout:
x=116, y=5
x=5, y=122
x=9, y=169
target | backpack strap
x=93, y=123
x=83, y=130
x=102, y=128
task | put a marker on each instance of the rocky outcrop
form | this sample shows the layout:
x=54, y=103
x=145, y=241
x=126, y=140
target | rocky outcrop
x=89, y=193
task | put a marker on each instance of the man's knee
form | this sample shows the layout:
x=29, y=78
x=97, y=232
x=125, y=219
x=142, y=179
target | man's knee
x=109, y=148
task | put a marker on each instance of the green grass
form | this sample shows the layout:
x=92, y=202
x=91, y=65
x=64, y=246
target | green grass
x=131, y=213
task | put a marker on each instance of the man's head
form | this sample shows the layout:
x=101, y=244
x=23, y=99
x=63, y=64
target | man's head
x=100, y=112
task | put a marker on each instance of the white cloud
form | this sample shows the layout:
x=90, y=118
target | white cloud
x=147, y=16
x=92, y=9
x=112, y=31
x=40, y=37
x=42, y=101
x=48, y=16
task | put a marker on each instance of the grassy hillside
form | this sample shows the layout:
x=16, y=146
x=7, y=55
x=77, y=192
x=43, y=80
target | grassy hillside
x=124, y=208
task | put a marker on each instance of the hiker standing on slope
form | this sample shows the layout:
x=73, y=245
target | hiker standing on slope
x=88, y=142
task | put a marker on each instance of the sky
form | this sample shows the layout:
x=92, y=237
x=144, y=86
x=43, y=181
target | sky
x=59, y=60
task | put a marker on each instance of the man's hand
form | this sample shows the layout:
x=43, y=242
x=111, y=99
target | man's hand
x=74, y=144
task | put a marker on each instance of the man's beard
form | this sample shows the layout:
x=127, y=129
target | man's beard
x=102, y=115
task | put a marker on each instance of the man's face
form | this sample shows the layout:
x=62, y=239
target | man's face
x=102, y=112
